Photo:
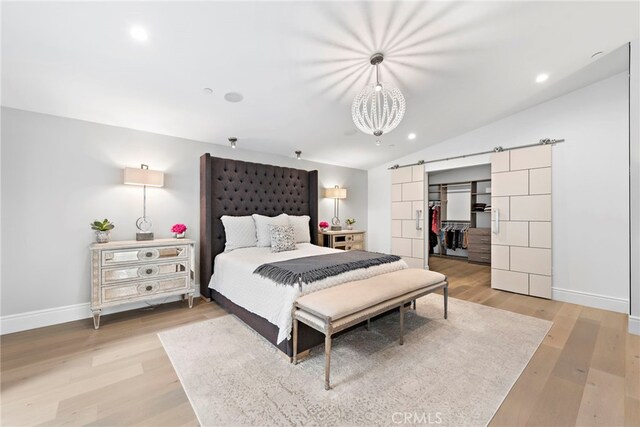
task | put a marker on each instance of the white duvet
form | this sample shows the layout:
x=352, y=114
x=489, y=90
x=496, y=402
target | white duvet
x=233, y=277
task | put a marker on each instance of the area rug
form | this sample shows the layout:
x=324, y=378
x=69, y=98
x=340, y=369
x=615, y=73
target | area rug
x=448, y=372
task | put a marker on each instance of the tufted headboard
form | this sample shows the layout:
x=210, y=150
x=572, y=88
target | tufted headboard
x=233, y=187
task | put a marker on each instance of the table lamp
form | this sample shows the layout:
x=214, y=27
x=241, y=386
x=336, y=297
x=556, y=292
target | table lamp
x=336, y=193
x=145, y=178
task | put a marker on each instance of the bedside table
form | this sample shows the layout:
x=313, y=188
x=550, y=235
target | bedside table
x=343, y=239
x=133, y=271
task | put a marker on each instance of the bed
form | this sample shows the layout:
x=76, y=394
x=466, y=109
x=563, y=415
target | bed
x=237, y=188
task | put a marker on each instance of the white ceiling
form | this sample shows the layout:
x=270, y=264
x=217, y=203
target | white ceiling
x=460, y=65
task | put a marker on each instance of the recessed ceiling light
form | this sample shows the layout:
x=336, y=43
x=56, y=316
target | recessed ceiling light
x=540, y=78
x=233, y=97
x=411, y=136
x=139, y=33
x=207, y=91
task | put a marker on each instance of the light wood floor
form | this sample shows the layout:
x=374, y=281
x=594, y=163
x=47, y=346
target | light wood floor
x=586, y=372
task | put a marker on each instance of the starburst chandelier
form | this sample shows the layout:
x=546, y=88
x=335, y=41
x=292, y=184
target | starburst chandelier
x=379, y=107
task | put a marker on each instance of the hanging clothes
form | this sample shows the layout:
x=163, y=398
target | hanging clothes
x=435, y=220
x=433, y=236
x=449, y=235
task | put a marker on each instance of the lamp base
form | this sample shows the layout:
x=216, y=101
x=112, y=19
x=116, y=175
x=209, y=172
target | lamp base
x=147, y=235
x=336, y=227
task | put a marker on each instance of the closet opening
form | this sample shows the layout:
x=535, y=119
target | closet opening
x=459, y=217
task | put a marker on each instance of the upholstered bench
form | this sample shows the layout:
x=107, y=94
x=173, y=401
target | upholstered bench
x=337, y=308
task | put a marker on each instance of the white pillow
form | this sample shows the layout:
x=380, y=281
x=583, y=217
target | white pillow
x=263, y=231
x=240, y=232
x=300, y=224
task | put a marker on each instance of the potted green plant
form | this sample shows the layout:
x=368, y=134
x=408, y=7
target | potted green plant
x=102, y=229
x=350, y=222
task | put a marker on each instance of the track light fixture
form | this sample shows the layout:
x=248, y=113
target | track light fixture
x=298, y=154
x=232, y=141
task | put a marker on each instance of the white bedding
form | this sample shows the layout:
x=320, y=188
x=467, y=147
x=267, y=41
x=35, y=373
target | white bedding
x=233, y=277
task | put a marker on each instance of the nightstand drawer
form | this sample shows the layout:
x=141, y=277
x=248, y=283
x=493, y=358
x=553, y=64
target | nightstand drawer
x=145, y=271
x=355, y=237
x=144, y=289
x=347, y=239
x=128, y=256
x=354, y=246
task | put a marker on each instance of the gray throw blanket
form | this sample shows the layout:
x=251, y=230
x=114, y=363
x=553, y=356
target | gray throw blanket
x=313, y=268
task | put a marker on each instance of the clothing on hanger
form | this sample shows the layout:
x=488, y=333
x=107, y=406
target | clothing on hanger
x=435, y=220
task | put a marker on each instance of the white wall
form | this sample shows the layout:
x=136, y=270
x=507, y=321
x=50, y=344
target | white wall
x=59, y=174
x=590, y=187
x=634, y=140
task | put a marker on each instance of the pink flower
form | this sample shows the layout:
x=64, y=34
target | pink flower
x=324, y=224
x=178, y=228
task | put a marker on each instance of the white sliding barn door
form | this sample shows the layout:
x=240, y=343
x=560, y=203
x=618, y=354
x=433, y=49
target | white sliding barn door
x=521, y=221
x=407, y=214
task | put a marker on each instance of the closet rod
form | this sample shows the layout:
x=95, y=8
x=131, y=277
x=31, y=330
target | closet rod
x=497, y=149
x=457, y=184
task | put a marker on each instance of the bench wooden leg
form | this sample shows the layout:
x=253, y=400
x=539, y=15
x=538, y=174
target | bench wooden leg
x=295, y=341
x=413, y=304
x=368, y=324
x=402, y=310
x=446, y=300
x=327, y=361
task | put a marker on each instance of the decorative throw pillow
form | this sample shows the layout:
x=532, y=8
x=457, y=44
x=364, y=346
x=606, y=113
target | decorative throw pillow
x=300, y=224
x=263, y=232
x=240, y=232
x=283, y=238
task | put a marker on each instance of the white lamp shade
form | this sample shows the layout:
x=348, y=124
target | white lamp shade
x=138, y=176
x=335, y=193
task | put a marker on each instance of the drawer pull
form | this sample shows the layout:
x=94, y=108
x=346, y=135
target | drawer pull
x=149, y=254
x=149, y=287
x=147, y=271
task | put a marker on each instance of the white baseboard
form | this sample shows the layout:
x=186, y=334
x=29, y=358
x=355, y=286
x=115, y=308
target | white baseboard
x=53, y=316
x=604, y=302
x=634, y=325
